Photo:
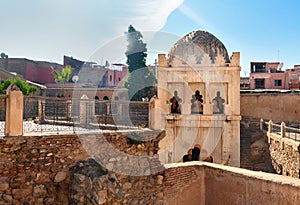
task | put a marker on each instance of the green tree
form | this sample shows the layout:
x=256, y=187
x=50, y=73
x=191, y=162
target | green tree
x=141, y=81
x=62, y=76
x=22, y=85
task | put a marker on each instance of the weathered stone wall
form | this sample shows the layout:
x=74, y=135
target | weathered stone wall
x=285, y=156
x=35, y=170
x=255, y=153
x=187, y=183
x=261, y=151
x=92, y=184
x=277, y=107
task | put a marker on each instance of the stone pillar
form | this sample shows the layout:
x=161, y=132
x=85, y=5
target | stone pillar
x=14, y=111
x=270, y=131
x=69, y=107
x=91, y=112
x=261, y=124
x=282, y=131
x=270, y=126
x=41, y=110
x=83, y=119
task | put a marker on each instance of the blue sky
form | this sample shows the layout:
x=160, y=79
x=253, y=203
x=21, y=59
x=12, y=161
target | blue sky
x=262, y=30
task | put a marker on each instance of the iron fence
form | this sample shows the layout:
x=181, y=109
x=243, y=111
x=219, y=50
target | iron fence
x=287, y=132
x=51, y=115
x=276, y=129
x=124, y=113
x=265, y=126
x=58, y=115
x=292, y=133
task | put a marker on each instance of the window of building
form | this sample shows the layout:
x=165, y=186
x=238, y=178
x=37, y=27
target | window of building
x=119, y=79
x=110, y=78
x=259, y=83
x=258, y=68
x=278, y=83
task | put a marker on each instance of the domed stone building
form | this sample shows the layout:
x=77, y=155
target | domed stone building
x=198, y=100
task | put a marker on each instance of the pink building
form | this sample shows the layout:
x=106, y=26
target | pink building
x=101, y=76
x=294, y=77
x=265, y=75
x=116, y=75
x=268, y=75
x=35, y=71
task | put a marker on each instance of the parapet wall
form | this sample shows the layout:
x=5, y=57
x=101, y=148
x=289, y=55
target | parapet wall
x=190, y=183
x=277, y=107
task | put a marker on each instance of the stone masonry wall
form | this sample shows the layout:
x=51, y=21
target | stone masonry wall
x=93, y=184
x=190, y=183
x=285, y=156
x=36, y=170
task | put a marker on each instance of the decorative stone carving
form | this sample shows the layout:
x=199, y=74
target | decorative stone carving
x=194, y=46
x=218, y=104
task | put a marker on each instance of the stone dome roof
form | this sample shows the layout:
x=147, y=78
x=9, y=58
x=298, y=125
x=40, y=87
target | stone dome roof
x=193, y=47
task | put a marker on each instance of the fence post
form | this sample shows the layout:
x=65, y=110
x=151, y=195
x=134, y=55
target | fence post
x=270, y=126
x=261, y=124
x=270, y=131
x=282, y=131
x=14, y=111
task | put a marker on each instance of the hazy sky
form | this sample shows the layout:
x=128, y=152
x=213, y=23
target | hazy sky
x=262, y=30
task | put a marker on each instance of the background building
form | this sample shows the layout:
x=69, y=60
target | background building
x=35, y=71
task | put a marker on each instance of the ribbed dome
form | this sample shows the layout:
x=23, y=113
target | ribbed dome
x=194, y=46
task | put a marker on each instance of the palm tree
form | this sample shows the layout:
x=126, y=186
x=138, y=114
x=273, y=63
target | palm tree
x=62, y=76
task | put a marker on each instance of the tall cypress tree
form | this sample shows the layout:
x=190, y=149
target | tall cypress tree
x=141, y=81
x=136, y=50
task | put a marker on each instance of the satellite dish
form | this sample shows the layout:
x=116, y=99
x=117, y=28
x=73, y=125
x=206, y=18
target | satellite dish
x=280, y=66
x=75, y=78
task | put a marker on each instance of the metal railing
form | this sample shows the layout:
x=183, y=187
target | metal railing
x=125, y=113
x=281, y=130
x=49, y=115
x=292, y=133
